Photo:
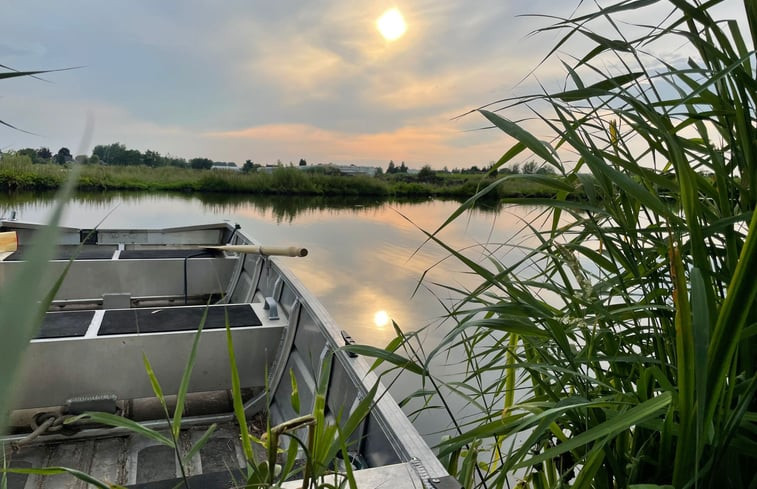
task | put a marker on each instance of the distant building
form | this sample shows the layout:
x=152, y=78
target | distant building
x=357, y=170
x=269, y=168
x=343, y=169
x=230, y=166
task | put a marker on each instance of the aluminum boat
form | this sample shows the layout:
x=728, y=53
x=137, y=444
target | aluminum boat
x=134, y=292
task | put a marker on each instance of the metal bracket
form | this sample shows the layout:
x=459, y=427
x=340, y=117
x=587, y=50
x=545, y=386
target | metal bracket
x=446, y=482
x=348, y=340
x=272, y=307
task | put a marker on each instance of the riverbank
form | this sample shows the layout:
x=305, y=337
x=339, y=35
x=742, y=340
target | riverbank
x=17, y=173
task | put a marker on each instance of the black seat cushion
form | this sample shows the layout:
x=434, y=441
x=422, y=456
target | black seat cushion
x=184, y=318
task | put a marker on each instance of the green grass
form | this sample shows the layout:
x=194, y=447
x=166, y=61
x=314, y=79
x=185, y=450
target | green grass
x=619, y=351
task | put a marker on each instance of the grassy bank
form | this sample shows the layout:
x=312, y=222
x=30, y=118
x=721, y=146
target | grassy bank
x=18, y=173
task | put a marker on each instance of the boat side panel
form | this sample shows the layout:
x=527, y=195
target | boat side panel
x=246, y=281
x=161, y=237
x=377, y=449
x=306, y=386
x=287, y=298
x=143, y=278
x=56, y=370
x=310, y=342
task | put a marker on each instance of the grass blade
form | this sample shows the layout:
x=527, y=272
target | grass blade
x=121, y=422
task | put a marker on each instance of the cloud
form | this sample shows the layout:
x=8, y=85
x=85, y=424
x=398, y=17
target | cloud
x=433, y=143
x=269, y=80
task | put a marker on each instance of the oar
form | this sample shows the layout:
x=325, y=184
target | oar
x=9, y=241
x=263, y=250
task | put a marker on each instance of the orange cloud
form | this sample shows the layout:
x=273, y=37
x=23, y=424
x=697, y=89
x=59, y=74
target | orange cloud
x=438, y=145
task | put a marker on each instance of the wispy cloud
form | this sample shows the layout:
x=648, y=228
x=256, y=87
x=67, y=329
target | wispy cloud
x=437, y=144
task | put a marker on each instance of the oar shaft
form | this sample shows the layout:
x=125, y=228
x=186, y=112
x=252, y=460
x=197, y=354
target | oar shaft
x=263, y=250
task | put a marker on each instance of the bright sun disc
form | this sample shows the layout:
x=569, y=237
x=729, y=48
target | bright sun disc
x=381, y=319
x=391, y=25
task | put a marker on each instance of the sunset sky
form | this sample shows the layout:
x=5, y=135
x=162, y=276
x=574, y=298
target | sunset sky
x=267, y=81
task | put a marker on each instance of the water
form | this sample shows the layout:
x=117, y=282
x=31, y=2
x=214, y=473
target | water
x=369, y=262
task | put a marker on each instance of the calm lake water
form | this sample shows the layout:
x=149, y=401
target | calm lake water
x=368, y=260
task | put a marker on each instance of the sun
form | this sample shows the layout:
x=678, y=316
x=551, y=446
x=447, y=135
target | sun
x=391, y=24
x=381, y=319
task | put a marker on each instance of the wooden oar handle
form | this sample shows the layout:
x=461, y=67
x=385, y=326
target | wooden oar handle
x=263, y=250
x=9, y=241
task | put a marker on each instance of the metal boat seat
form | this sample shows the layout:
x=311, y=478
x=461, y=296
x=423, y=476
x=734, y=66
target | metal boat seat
x=184, y=318
x=66, y=324
x=68, y=252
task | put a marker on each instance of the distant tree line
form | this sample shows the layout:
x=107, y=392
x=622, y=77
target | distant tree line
x=528, y=168
x=427, y=172
x=117, y=154
x=44, y=155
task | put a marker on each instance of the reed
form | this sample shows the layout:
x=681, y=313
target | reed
x=24, y=297
x=619, y=350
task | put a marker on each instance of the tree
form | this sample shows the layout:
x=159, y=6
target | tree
x=117, y=154
x=402, y=168
x=177, y=162
x=31, y=154
x=529, y=168
x=509, y=170
x=201, y=163
x=303, y=162
x=44, y=153
x=248, y=166
x=152, y=158
x=63, y=156
x=109, y=154
x=391, y=168
x=426, y=174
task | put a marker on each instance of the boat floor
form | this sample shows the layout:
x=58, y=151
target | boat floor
x=130, y=459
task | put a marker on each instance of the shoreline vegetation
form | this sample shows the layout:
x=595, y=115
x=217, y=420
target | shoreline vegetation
x=21, y=172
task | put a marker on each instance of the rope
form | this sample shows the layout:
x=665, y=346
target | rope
x=37, y=432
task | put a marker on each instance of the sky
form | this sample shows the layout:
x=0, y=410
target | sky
x=268, y=81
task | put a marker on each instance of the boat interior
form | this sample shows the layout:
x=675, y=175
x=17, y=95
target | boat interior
x=129, y=294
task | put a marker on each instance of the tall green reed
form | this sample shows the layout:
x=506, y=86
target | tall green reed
x=24, y=298
x=619, y=350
